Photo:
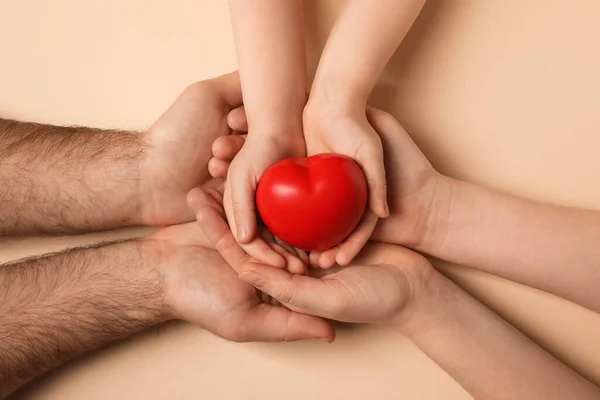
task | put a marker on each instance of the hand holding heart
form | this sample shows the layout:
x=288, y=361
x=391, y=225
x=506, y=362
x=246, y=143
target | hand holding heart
x=413, y=184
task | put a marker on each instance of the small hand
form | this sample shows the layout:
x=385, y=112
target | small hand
x=225, y=149
x=202, y=288
x=330, y=129
x=244, y=161
x=178, y=148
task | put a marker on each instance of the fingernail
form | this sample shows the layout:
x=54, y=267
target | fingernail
x=386, y=208
x=324, y=339
x=242, y=233
x=253, y=278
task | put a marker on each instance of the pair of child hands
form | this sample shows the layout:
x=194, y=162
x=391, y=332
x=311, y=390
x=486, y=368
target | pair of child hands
x=321, y=128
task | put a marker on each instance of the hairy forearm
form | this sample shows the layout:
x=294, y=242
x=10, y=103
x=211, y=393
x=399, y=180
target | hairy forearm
x=548, y=247
x=270, y=47
x=485, y=354
x=57, y=307
x=361, y=43
x=56, y=180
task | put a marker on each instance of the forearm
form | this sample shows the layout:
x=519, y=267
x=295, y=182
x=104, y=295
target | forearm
x=55, y=308
x=485, y=354
x=270, y=47
x=57, y=180
x=548, y=247
x=359, y=47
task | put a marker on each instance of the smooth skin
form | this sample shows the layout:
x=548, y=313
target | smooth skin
x=270, y=48
x=362, y=41
x=393, y=286
x=269, y=38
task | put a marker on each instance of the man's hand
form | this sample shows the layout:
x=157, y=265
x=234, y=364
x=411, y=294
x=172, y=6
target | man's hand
x=178, y=148
x=202, y=288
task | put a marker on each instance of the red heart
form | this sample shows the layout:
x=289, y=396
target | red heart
x=312, y=203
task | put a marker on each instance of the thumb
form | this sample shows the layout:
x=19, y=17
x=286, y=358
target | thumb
x=299, y=293
x=243, y=188
x=371, y=161
x=270, y=323
x=211, y=219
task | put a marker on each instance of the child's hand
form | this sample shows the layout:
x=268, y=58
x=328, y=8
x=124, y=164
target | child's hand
x=255, y=155
x=329, y=129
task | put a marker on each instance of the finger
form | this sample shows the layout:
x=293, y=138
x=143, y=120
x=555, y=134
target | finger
x=357, y=239
x=229, y=88
x=258, y=247
x=236, y=119
x=293, y=263
x=300, y=293
x=226, y=147
x=297, y=259
x=217, y=195
x=372, y=163
x=218, y=168
x=313, y=259
x=243, y=188
x=301, y=254
x=327, y=259
x=275, y=324
x=263, y=252
x=211, y=219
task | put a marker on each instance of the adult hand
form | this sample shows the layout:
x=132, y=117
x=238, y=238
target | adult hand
x=202, y=288
x=418, y=194
x=178, y=148
x=383, y=284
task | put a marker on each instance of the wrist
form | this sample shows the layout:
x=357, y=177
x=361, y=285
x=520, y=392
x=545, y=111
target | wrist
x=154, y=261
x=339, y=94
x=436, y=211
x=152, y=188
x=279, y=125
x=426, y=310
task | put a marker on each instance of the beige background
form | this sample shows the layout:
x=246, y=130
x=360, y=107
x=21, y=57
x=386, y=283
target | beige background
x=503, y=93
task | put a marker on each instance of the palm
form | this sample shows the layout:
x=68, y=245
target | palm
x=202, y=288
x=210, y=294
x=369, y=293
x=381, y=285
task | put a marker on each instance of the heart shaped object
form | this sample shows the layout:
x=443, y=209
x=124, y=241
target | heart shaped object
x=312, y=203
